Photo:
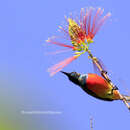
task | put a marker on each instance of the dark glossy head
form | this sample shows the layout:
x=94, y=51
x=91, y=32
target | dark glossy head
x=73, y=76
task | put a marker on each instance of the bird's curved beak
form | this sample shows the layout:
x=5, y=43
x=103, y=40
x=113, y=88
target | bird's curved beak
x=67, y=74
x=73, y=77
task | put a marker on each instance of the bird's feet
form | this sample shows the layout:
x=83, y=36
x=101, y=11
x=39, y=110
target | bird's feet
x=115, y=88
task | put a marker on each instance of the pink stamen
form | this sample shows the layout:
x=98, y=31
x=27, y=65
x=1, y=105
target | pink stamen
x=59, y=51
x=81, y=15
x=56, y=68
x=101, y=22
x=85, y=21
x=97, y=20
x=54, y=72
x=94, y=19
x=65, y=31
x=89, y=21
x=60, y=44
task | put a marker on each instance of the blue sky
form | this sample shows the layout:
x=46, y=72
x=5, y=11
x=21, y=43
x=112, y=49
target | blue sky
x=25, y=25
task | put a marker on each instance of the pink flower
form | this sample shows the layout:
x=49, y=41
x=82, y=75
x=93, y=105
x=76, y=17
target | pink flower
x=80, y=32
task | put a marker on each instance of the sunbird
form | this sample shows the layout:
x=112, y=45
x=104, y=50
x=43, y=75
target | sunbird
x=80, y=32
x=96, y=86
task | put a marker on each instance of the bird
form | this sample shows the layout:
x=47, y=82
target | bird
x=96, y=86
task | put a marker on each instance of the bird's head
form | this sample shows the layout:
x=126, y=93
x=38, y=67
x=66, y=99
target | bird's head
x=73, y=76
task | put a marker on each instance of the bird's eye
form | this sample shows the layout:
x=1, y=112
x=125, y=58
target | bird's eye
x=73, y=73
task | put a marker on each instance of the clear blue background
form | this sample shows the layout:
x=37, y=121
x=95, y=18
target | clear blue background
x=24, y=27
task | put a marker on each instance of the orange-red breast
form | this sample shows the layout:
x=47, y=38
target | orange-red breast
x=94, y=85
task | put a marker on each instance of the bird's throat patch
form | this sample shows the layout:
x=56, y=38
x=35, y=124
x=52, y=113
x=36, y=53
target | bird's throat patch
x=82, y=79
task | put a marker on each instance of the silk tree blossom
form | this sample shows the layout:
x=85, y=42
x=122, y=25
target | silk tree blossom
x=80, y=32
